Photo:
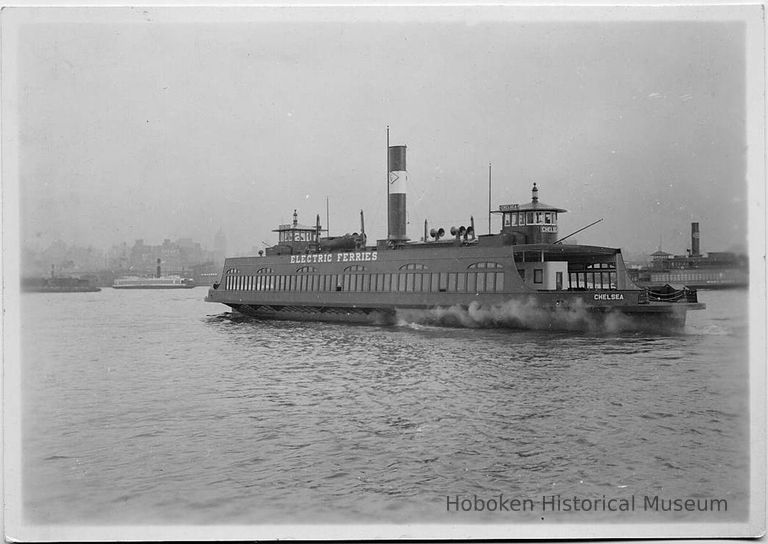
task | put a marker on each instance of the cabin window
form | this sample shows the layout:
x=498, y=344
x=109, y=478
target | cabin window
x=481, y=282
x=452, y=282
x=513, y=219
x=538, y=218
x=443, y=281
x=472, y=282
x=400, y=283
x=435, y=282
x=490, y=282
x=499, y=281
x=529, y=218
x=507, y=219
x=548, y=218
x=538, y=275
x=409, y=283
x=461, y=283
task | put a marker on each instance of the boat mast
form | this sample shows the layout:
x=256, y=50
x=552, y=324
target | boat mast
x=388, y=175
x=489, y=198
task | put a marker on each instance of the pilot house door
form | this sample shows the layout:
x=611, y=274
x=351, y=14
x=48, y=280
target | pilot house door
x=559, y=281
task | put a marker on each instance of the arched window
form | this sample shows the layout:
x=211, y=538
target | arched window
x=233, y=271
x=355, y=268
x=413, y=266
x=264, y=271
x=306, y=269
x=485, y=265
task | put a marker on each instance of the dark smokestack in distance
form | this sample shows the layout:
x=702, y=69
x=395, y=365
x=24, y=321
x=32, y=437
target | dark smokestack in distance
x=158, y=268
x=695, y=239
x=398, y=177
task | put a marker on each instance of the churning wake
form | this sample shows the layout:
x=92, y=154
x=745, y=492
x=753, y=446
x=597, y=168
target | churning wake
x=517, y=314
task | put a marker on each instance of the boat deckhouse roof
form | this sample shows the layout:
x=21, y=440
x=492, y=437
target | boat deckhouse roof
x=295, y=226
x=533, y=205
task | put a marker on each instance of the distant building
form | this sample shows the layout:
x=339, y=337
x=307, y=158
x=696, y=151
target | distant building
x=219, y=246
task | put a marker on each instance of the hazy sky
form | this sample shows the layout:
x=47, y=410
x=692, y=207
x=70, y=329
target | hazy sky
x=133, y=127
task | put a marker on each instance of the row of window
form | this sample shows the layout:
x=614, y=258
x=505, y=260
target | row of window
x=592, y=280
x=530, y=218
x=680, y=277
x=361, y=268
x=454, y=282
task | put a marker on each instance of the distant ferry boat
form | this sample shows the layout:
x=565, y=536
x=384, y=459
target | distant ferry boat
x=716, y=270
x=156, y=282
x=56, y=284
x=524, y=276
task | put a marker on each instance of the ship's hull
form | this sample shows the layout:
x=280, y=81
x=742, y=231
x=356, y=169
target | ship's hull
x=153, y=286
x=61, y=289
x=161, y=282
x=548, y=311
x=705, y=278
x=513, y=313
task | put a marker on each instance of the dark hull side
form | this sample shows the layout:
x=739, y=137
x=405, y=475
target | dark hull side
x=60, y=289
x=512, y=314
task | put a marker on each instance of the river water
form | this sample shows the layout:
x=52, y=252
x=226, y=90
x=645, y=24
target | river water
x=155, y=407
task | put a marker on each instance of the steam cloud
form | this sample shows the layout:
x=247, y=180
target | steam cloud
x=519, y=314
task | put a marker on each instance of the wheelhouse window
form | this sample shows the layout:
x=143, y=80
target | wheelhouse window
x=538, y=275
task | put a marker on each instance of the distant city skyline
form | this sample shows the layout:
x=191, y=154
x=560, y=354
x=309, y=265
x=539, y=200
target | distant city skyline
x=139, y=122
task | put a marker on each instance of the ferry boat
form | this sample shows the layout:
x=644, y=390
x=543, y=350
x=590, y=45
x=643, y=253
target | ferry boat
x=158, y=281
x=58, y=284
x=523, y=276
x=716, y=270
